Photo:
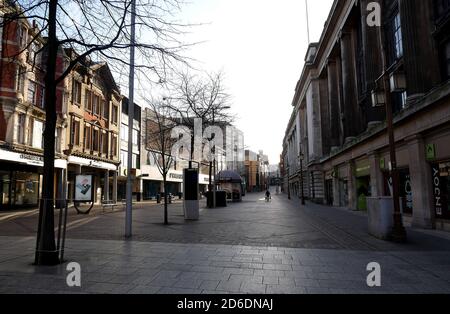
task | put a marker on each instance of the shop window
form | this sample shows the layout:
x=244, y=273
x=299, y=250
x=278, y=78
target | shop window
x=5, y=188
x=26, y=189
x=31, y=97
x=76, y=92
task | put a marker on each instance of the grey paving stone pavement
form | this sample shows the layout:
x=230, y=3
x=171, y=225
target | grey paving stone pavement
x=252, y=247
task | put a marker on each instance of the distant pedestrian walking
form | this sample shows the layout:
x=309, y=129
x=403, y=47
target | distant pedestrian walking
x=268, y=196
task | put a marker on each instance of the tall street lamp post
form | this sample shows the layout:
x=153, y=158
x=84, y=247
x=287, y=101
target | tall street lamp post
x=300, y=158
x=129, y=192
x=288, y=183
x=398, y=233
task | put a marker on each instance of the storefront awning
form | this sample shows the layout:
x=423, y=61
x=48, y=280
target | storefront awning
x=27, y=159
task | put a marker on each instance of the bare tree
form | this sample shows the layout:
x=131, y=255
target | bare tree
x=201, y=97
x=101, y=29
x=159, y=125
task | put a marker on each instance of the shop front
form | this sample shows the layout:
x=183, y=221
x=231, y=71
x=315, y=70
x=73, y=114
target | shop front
x=21, y=179
x=363, y=184
x=405, y=189
x=153, y=183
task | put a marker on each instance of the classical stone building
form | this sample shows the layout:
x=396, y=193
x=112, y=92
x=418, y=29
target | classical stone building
x=339, y=128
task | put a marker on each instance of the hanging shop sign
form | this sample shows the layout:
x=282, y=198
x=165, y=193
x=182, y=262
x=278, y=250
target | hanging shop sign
x=430, y=152
x=441, y=187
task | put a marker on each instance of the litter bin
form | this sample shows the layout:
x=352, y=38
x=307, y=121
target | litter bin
x=380, y=216
x=221, y=198
x=209, y=199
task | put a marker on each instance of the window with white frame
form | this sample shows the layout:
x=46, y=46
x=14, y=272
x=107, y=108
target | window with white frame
x=38, y=130
x=135, y=137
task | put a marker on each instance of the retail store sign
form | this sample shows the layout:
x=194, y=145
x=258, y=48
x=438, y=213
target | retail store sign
x=431, y=151
x=31, y=160
x=440, y=190
x=84, y=190
x=382, y=164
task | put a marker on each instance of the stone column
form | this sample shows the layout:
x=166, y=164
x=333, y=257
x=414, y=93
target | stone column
x=421, y=184
x=376, y=176
x=106, y=188
x=114, y=187
x=349, y=91
x=10, y=121
x=333, y=103
x=352, y=193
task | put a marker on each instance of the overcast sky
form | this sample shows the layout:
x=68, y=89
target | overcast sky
x=260, y=45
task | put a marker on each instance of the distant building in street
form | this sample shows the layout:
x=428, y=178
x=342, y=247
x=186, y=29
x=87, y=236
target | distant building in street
x=235, y=150
x=338, y=127
x=256, y=171
x=152, y=180
x=136, y=161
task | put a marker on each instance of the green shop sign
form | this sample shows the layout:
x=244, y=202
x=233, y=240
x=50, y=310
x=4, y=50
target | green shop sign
x=431, y=151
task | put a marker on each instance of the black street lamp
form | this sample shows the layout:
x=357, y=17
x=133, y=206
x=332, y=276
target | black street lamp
x=288, y=184
x=398, y=233
x=300, y=158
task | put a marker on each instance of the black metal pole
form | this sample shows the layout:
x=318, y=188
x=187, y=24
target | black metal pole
x=301, y=179
x=288, y=185
x=398, y=233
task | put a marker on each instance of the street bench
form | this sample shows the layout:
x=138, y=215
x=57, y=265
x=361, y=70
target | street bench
x=108, y=204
